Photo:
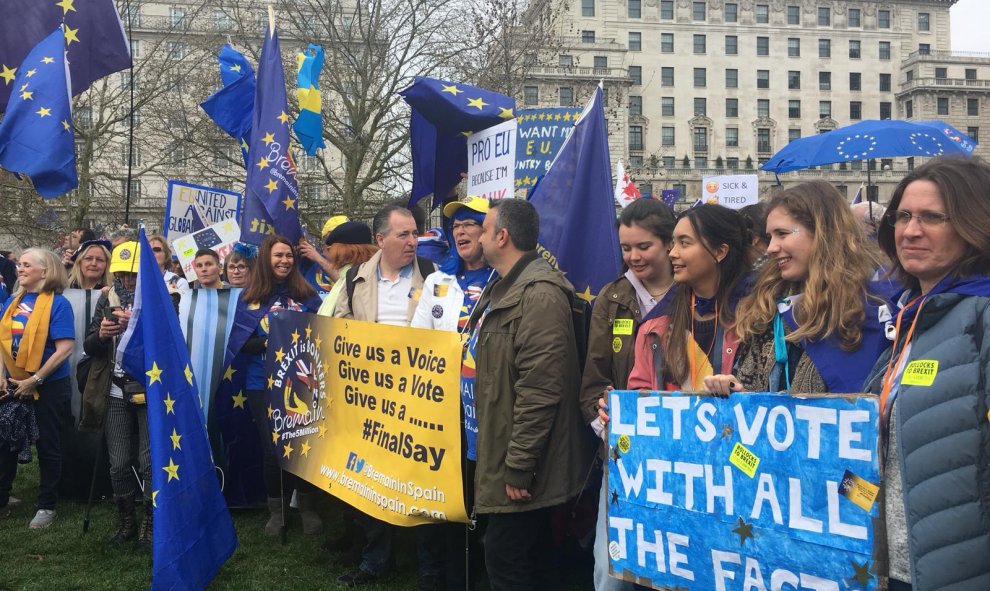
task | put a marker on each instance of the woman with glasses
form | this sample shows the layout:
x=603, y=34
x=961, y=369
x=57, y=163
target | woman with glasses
x=934, y=381
x=239, y=263
x=811, y=323
x=163, y=254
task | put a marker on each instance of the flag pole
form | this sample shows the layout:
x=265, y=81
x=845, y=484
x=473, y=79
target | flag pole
x=271, y=19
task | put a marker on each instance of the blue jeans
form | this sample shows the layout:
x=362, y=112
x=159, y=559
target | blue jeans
x=604, y=582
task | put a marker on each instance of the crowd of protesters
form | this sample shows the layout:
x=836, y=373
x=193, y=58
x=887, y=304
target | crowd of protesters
x=801, y=294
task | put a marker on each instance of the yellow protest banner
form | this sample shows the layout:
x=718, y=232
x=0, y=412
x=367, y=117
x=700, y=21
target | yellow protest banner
x=369, y=413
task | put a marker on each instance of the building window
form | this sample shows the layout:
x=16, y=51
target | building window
x=885, y=50
x=731, y=12
x=824, y=109
x=794, y=109
x=883, y=19
x=601, y=62
x=924, y=49
x=587, y=36
x=668, y=161
x=587, y=7
x=635, y=106
x=566, y=96
x=885, y=110
x=667, y=10
x=793, y=134
x=824, y=80
x=855, y=110
x=732, y=163
x=943, y=106
x=854, y=49
x=855, y=81
x=824, y=16
x=941, y=73
x=135, y=189
x=884, y=82
x=177, y=17
x=972, y=107
x=635, y=161
x=531, y=95
x=763, y=78
x=635, y=137
x=700, y=139
x=762, y=107
x=565, y=61
x=908, y=109
x=762, y=46
x=854, y=18
x=794, y=15
x=731, y=78
x=732, y=137
x=176, y=50
x=731, y=107
x=924, y=21
x=973, y=133
x=824, y=48
x=762, y=13
x=793, y=47
x=636, y=75
x=222, y=20
x=700, y=106
x=667, y=136
x=700, y=77
x=700, y=44
x=731, y=45
x=698, y=11
x=910, y=75
x=667, y=76
x=635, y=41
x=635, y=9
x=970, y=73
x=667, y=42
x=763, y=140
x=667, y=106
x=794, y=80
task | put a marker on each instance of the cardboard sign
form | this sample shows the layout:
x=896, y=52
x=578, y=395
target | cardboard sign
x=492, y=161
x=189, y=208
x=218, y=237
x=733, y=191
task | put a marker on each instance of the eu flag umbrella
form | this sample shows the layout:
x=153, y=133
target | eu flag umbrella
x=870, y=139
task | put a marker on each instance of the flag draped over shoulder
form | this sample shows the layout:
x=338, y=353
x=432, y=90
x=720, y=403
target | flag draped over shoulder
x=193, y=532
x=576, y=206
x=309, y=124
x=95, y=39
x=271, y=195
x=443, y=115
x=232, y=107
x=36, y=136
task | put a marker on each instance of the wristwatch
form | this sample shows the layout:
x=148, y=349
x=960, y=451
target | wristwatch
x=38, y=379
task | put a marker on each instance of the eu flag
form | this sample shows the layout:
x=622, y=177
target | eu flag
x=193, y=532
x=576, y=206
x=96, y=43
x=271, y=196
x=232, y=106
x=443, y=114
x=36, y=136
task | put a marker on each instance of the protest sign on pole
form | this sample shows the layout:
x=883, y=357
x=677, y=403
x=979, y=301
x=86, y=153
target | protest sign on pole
x=189, y=208
x=540, y=135
x=734, y=191
x=218, y=237
x=492, y=161
x=369, y=413
x=754, y=491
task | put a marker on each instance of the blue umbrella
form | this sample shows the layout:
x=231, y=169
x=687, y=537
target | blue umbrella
x=872, y=139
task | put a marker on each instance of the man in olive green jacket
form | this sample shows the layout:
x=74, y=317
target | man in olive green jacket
x=531, y=445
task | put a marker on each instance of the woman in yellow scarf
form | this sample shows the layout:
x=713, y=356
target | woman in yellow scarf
x=37, y=331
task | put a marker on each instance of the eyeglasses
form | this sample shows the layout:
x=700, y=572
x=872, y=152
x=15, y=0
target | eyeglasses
x=466, y=224
x=157, y=249
x=929, y=219
x=239, y=267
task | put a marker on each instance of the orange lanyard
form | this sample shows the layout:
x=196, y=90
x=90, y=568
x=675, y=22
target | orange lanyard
x=696, y=371
x=890, y=376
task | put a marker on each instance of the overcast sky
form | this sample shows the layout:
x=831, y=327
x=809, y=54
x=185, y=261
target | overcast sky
x=969, y=25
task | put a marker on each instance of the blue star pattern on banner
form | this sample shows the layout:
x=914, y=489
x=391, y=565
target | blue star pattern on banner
x=232, y=106
x=193, y=532
x=36, y=136
x=95, y=39
x=271, y=196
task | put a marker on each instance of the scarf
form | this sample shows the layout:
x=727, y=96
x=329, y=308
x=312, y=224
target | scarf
x=32, y=347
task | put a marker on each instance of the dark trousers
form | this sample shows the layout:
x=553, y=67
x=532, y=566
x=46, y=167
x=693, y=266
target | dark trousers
x=376, y=555
x=126, y=428
x=54, y=413
x=518, y=550
x=899, y=586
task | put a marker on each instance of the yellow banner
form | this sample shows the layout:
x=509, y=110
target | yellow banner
x=369, y=413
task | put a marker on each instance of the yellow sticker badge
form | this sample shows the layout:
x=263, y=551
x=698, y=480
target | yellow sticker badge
x=744, y=459
x=624, y=443
x=858, y=490
x=622, y=326
x=616, y=344
x=440, y=290
x=920, y=373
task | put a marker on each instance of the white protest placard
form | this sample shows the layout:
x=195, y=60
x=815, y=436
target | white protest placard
x=492, y=161
x=190, y=207
x=734, y=191
x=218, y=237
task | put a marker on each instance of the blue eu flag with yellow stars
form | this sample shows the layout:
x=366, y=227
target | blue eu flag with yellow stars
x=232, y=106
x=443, y=115
x=36, y=136
x=271, y=195
x=94, y=36
x=193, y=532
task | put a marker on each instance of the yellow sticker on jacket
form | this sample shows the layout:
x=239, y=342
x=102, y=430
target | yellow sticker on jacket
x=920, y=373
x=622, y=326
x=440, y=290
x=616, y=344
x=415, y=293
x=744, y=459
x=858, y=490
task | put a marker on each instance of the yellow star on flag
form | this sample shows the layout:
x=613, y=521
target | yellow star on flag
x=47, y=60
x=70, y=36
x=271, y=411
x=175, y=437
x=31, y=72
x=505, y=113
x=154, y=496
x=27, y=95
x=543, y=116
x=567, y=116
x=268, y=138
x=518, y=183
x=452, y=89
x=309, y=331
x=305, y=449
x=519, y=119
x=289, y=203
x=24, y=86
x=317, y=341
x=235, y=68
x=262, y=163
x=189, y=374
x=478, y=102
x=229, y=373
x=154, y=374
x=466, y=133
x=283, y=117
x=279, y=355
x=323, y=430
x=66, y=6
x=556, y=117
x=274, y=436
x=271, y=186
x=65, y=124
x=169, y=404
x=271, y=382
x=295, y=336
x=287, y=450
x=586, y=295
x=44, y=112
x=8, y=74
x=239, y=399
x=172, y=469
